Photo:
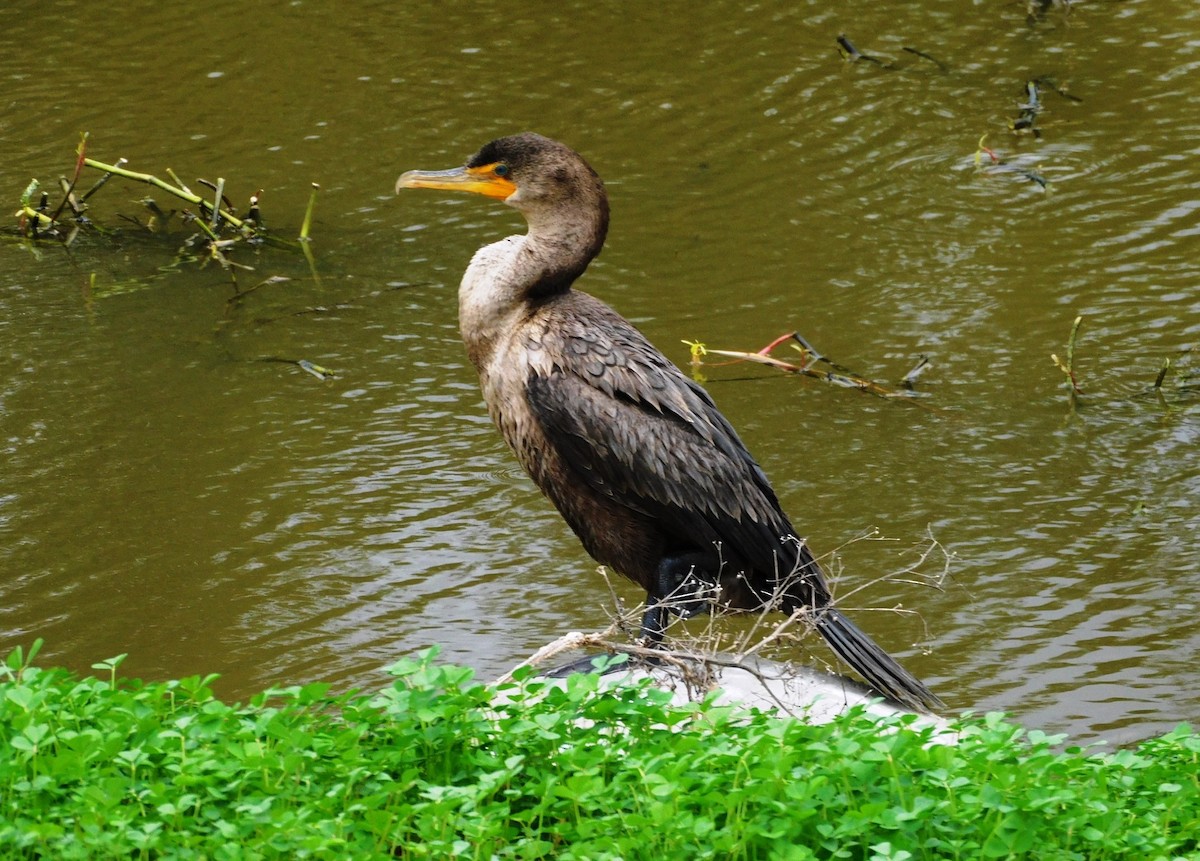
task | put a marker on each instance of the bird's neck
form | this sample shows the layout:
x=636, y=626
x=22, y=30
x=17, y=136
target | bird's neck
x=505, y=279
x=560, y=244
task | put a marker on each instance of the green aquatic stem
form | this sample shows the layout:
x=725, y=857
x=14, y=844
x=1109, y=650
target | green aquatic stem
x=1162, y=373
x=308, y=213
x=101, y=182
x=181, y=193
x=1071, y=345
x=1068, y=367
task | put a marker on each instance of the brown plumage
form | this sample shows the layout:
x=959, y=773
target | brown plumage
x=635, y=456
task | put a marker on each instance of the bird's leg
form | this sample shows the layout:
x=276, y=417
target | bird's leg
x=680, y=587
x=654, y=622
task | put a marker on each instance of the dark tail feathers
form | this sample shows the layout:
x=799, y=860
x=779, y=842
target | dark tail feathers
x=875, y=665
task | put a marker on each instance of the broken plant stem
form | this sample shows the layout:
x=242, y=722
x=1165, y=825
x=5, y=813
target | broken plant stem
x=69, y=187
x=40, y=217
x=175, y=179
x=1071, y=342
x=911, y=377
x=808, y=349
x=1162, y=373
x=218, y=193
x=789, y=336
x=204, y=228
x=1068, y=367
x=102, y=181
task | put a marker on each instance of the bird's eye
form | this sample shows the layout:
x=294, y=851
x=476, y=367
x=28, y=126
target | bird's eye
x=500, y=170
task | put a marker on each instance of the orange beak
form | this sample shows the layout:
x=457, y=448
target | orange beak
x=478, y=180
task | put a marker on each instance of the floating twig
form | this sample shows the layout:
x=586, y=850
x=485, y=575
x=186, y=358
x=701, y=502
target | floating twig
x=996, y=164
x=807, y=349
x=174, y=179
x=942, y=66
x=849, y=52
x=1026, y=121
x=102, y=181
x=303, y=364
x=1027, y=118
x=218, y=197
x=1049, y=83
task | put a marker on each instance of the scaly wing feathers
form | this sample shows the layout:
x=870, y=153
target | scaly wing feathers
x=635, y=428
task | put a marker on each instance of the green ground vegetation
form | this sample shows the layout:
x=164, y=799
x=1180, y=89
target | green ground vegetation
x=436, y=767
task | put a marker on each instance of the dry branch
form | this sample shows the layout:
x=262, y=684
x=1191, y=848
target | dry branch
x=811, y=364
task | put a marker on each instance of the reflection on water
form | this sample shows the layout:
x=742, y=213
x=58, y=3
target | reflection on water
x=168, y=494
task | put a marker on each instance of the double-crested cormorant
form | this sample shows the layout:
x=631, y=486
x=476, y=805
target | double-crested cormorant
x=635, y=456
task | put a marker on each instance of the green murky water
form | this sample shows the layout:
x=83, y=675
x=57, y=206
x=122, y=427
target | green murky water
x=165, y=492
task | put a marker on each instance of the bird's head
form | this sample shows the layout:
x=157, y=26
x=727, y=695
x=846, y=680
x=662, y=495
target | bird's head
x=562, y=198
x=540, y=177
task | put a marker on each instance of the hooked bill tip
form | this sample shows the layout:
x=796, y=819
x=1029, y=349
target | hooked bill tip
x=402, y=182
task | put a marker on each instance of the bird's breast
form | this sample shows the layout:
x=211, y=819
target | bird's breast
x=512, y=355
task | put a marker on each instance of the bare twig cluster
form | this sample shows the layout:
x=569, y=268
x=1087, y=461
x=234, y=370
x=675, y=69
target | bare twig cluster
x=697, y=657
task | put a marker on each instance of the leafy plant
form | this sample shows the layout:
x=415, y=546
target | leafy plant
x=437, y=766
